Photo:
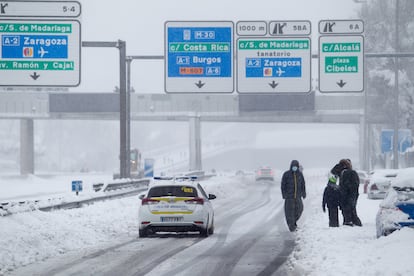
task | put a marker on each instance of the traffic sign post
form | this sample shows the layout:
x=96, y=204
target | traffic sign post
x=341, y=57
x=199, y=57
x=271, y=65
x=43, y=51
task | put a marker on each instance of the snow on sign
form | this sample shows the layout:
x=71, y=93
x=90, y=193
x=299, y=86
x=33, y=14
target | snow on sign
x=272, y=65
x=199, y=57
x=43, y=51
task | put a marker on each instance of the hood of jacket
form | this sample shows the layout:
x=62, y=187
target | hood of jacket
x=294, y=163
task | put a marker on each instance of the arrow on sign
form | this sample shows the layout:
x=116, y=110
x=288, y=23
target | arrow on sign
x=199, y=84
x=341, y=83
x=273, y=84
x=35, y=76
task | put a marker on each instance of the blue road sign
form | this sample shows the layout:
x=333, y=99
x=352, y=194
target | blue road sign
x=274, y=67
x=34, y=46
x=77, y=186
x=404, y=140
x=149, y=167
x=199, y=52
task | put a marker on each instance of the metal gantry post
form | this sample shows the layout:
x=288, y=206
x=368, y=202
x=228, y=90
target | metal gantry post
x=26, y=147
x=195, y=142
x=123, y=103
x=365, y=144
x=123, y=110
x=396, y=92
x=128, y=115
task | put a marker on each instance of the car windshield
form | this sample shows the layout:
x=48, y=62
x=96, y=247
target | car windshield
x=405, y=193
x=178, y=191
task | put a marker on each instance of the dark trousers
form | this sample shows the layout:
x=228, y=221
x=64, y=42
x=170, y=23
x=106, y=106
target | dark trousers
x=354, y=216
x=293, y=211
x=349, y=212
x=333, y=217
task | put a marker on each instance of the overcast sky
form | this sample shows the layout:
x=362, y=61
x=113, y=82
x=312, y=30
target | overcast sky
x=141, y=25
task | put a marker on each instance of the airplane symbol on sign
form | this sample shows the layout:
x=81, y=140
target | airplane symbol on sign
x=42, y=52
x=280, y=71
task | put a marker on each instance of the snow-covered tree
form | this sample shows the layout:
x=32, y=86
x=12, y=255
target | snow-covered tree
x=380, y=37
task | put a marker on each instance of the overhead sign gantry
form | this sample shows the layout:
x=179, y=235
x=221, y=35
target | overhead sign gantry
x=40, y=43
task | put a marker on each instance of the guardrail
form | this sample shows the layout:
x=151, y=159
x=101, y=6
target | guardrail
x=120, y=185
x=81, y=203
x=132, y=187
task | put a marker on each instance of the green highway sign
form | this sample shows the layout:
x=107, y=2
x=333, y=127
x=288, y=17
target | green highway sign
x=341, y=63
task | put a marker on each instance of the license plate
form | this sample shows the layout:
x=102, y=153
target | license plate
x=171, y=219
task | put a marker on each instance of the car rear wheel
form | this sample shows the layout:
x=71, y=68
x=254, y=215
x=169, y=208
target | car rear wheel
x=211, y=229
x=205, y=232
x=143, y=233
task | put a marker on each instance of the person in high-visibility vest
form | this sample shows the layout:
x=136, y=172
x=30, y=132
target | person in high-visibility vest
x=293, y=190
x=331, y=199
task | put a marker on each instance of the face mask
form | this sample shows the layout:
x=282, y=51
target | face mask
x=294, y=168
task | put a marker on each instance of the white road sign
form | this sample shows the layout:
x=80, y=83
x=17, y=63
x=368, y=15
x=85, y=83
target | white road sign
x=341, y=63
x=289, y=28
x=40, y=9
x=273, y=65
x=251, y=28
x=341, y=26
x=39, y=52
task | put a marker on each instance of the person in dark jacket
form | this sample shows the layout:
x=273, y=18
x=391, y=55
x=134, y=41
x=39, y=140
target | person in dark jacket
x=331, y=199
x=349, y=185
x=293, y=190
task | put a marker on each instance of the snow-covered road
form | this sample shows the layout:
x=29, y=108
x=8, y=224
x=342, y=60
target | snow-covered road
x=250, y=238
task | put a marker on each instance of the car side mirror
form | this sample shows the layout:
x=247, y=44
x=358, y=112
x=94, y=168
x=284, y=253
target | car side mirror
x=141, y=196
x=211, y=196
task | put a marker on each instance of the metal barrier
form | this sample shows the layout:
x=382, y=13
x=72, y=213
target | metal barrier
x=120, y=185
x=132, y=187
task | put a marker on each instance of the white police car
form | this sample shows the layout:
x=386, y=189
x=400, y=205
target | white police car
x=176, y=205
